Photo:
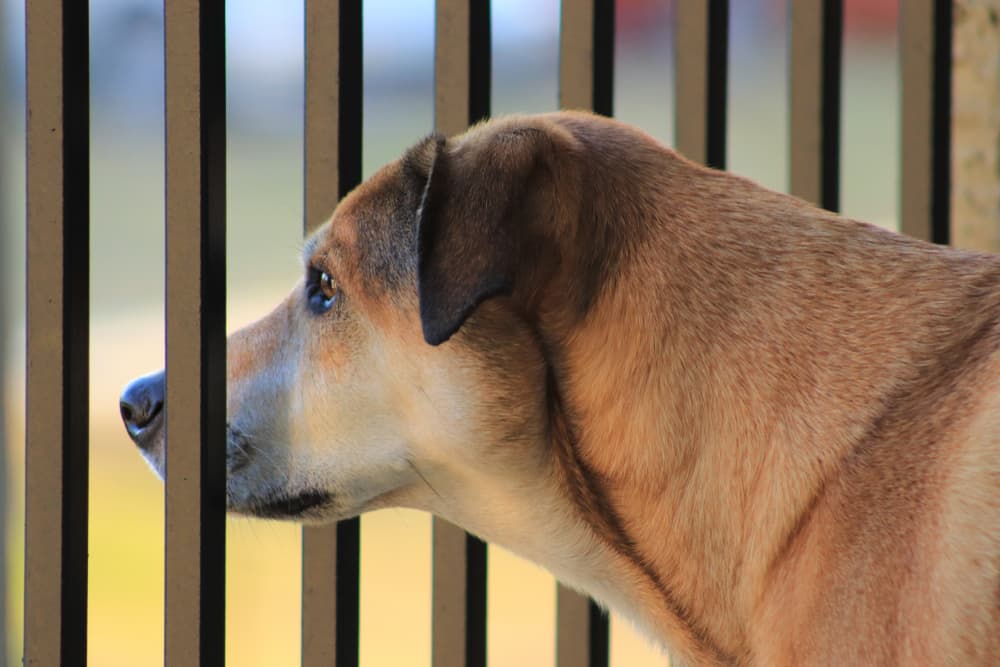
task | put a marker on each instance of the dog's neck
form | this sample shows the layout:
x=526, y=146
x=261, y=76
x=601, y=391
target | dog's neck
x=694, y=433
x=684, y=406
x=710, y=389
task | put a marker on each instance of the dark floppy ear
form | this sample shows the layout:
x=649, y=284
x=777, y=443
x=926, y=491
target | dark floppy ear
x=471, y=226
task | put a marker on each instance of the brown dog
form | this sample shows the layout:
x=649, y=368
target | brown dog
x=768, y=435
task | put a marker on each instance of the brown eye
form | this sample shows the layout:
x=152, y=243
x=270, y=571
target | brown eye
x=321, y=290
x=327, y=286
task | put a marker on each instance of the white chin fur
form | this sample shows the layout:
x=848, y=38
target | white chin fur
x=155, y=463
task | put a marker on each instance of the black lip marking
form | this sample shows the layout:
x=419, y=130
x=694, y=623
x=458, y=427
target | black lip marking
x=292, y=506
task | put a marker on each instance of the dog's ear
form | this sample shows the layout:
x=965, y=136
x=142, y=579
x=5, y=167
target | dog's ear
x=472, y=223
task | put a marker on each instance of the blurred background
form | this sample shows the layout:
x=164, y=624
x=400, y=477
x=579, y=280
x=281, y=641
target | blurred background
x=265, y=222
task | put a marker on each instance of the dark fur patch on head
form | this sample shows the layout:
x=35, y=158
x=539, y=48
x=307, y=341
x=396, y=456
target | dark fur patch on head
x=386, y=225
x=489, y=209
x=614, y=204
x=386, y=260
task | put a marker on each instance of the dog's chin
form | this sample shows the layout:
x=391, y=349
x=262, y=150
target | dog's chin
x=152, y=451
x=311, y=506
x=155, y=463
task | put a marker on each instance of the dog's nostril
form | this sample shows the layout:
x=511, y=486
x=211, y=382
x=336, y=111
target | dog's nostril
x=126, y=412
x=136, y=415
x=142, y=401
x=140, y=413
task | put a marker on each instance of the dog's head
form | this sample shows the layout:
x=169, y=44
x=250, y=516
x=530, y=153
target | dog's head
x=408, y=362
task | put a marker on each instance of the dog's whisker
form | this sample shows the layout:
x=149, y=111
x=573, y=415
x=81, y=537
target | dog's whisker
x=257, y=446
x=421, y=476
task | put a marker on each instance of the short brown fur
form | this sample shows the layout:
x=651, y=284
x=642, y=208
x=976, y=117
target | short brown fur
x=767, y=434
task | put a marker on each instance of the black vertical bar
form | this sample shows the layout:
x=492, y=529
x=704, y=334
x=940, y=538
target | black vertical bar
x=604, y=57
x=832, y=47
x=349, y=141
x=348, y=592
x=600, y=640
x=58, y=265
x=941, y=123
x=76, y=306
x=718, y=78
x=480, y=78
x=351, y=83
x=480, y=60
x=475, y=601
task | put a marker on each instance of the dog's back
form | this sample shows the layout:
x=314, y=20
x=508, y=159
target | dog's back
x=900, y=563
x=878, y=355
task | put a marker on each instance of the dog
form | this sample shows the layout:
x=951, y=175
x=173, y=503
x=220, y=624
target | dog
x=766, y=434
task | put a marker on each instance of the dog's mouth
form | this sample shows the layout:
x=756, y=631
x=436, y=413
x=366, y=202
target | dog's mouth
x=302, y=505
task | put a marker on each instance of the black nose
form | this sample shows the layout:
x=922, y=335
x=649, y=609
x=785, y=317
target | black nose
x=142, y=402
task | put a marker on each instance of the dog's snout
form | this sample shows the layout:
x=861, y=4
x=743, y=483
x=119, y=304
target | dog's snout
x=141, y=403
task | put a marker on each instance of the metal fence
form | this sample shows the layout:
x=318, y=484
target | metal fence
x=55, y=622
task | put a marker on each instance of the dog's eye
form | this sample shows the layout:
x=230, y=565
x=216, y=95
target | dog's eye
x=321, y=290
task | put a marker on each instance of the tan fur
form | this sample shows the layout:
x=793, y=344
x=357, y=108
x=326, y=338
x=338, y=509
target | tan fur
x=766, y=434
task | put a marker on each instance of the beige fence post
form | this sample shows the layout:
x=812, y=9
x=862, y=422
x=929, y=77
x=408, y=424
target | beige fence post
x=195, y=557
x=56, y=428
x=586, y=81
x=814, y=59
x=975, y=195
x=701, y=44
x=461, y=97
x=332, y=155
x=925, y=64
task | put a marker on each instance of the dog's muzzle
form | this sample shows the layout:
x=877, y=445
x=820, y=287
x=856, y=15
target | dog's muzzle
x=143, y=412
x=141, y=406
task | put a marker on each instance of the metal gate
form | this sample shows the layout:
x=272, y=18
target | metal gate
x=58, y=263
